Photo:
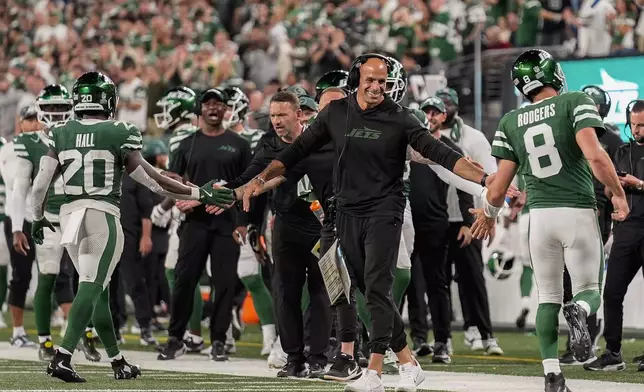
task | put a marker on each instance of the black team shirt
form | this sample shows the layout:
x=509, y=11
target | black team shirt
x=372, y=164
x=201, y=158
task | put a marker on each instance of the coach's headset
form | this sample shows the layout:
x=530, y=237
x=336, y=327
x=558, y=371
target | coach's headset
x=353, y=81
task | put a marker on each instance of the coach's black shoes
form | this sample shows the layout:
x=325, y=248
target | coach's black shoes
x=193, y=346
x=317, y=370
x=88, y=348
x=344, y=369
x=441, y=353
x=174, y=348
x=125, y=371
x=556, y=383
x=218, y=352
x=146, y=338
x=580, y=342
x=294, y=369
x=61, y=367
x=608, y=361
x=421, y=348
x=46, y=351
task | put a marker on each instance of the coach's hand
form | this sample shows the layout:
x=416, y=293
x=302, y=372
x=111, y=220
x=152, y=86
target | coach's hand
x=186, y=206
x=38, y=229
x=512, y=191
x=465, y=235
x=251, y=189
x=240, y=234
x=620, y=207
x=483, y=227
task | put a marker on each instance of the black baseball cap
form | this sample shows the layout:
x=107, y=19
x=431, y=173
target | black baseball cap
x=214, y=93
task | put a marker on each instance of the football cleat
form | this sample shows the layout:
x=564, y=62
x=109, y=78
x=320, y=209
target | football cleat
x=580, y=341
x=61, y=368
x=87, y=346
x=46, y=351
x=125, y=371
x=608, y=362
x=556, y=383
x=22, y=341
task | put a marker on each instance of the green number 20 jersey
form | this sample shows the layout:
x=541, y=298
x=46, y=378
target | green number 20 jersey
x=540, y=138
x=92, y=157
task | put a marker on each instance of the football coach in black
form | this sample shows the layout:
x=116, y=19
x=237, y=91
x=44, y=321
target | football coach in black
x=370, y=134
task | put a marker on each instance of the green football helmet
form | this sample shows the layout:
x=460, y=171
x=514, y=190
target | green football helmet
x=153, y=148
x=601, y=98
x=337, y=78
x=177, y=104
x=536, y=68
x=396, y=85
x=500, y=264
x=421, y=116
x=54, y=104
x=95, y=92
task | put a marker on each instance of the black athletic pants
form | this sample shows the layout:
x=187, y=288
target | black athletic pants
x=416, y=303
x=626, y=259
x=63, y=288
x=294, y=263
x=196, y=242
x=157, y=283
x=20, y=266
x=471, y=282
x=370, y=245
x=134, y=274
x=430, y=244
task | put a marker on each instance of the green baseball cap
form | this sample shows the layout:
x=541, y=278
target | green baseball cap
x=154, y=147
x=449, y=94
x=434, y=102
x=308, y=103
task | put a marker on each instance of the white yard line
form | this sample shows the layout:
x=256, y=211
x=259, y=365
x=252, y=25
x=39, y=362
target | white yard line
x=448, y=381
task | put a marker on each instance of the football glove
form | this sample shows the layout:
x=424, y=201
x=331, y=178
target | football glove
x=38, y=229
x=160, y=217
x=221, y=197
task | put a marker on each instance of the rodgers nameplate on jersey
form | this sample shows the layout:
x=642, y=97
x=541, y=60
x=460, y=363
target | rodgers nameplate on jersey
x=540, y=138
x=92, y=155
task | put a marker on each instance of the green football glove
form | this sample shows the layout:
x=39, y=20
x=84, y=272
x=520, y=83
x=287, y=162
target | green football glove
x=38, y=229
x=221, y=197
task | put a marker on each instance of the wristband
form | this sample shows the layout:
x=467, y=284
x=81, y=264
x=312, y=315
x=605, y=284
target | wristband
x=489, y=210
x=261, y=180
x=194, y=195
x=485, y=176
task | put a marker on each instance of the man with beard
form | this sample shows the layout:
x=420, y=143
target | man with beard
x=210, y=153
x=370, y=133
x=462, y=251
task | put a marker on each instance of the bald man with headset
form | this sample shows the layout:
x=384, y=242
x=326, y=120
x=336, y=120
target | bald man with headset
x=370, y=133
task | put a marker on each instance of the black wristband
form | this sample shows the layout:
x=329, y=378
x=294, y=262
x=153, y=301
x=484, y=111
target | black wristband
x=485, y=176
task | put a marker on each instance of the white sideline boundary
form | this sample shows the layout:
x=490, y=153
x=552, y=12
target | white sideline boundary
x=447, y=381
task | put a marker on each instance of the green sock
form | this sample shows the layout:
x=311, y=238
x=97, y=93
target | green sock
x=3, y=284
x=197, y=311
x=526, y=281
x=169, y=275
x=306, y=299
x=261, y=298
x=591, y=297
x=548, y=329
x=80, y=314
x=363, y=313
x=402, y=277
x=42, y=303
x=102, y=319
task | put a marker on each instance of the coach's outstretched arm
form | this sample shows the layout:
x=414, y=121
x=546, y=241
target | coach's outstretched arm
x=145, y=174
x=603, y=169
x=436, y=151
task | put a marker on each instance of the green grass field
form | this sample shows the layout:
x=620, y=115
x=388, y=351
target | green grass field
x=521, y=359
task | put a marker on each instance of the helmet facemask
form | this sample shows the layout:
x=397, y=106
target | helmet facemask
x=236, y=109
x=165, y=120
x=52, y=112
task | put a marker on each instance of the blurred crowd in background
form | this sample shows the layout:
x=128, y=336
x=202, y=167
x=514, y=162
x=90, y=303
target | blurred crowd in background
x=148, y=46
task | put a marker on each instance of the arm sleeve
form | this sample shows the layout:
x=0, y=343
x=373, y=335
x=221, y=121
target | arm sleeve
x=583, y=113
x=19, y=195
x=482, y=152
x=457, y=182
x=312, y=139
x=431, y=148
x=501, y=145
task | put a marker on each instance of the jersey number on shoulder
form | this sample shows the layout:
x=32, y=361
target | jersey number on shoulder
x=544, y=160
x=86, y=162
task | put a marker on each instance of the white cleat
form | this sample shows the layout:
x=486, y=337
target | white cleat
x=277, y=358
x=492, y=347
x=269, y=336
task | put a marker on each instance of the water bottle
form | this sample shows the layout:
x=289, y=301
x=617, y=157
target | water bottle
x=316, y=208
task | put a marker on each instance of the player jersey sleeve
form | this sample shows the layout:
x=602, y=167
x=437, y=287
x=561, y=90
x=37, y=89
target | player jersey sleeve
x=583, y=113
x=51, y=138
x=21, y=146
x=501, y=146
x=131, y=140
